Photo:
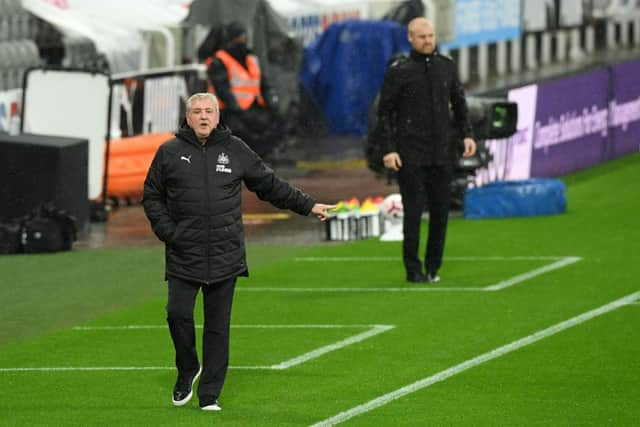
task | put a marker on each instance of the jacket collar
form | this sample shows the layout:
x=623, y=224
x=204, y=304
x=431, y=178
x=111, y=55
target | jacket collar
x=417, y=56
x=219, y=134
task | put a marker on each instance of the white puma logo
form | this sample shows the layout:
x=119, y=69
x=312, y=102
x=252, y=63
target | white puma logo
x=186, y=159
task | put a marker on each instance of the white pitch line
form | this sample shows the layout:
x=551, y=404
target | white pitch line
x=136, y=327
x=533, y=273
x=478, y=360
x=88, y=368
x=407, y=289
x=114, y=368
x=377, y=329
x=454, y=258
x=119, y=328
x=374, y=330
x=560, y=262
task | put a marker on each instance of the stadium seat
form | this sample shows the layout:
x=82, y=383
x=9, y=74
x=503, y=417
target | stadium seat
x=4, y=27
x=18, y=51
x=3, y=68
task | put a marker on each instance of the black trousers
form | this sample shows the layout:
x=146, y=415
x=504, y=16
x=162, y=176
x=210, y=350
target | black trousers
x=420, y=186
x=218, y=298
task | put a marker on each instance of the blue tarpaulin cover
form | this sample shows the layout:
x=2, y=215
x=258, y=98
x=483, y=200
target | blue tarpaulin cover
x=531, y=197
x=344, y=67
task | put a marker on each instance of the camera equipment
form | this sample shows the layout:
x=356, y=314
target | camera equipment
x=492, y=118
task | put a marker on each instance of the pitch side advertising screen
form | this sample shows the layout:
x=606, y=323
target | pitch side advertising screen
x=569, y=124
x=625, y=109
x=570, y=128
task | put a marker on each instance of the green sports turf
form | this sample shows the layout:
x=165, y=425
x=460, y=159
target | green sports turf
x=588, y=374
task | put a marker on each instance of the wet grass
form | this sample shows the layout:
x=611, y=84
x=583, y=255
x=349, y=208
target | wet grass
x=585, y=375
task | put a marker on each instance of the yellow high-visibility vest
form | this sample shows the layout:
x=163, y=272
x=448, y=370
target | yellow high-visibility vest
x=244, y=81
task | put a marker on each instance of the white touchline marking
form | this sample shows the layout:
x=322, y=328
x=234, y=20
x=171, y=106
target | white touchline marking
x=453, y=258
x=533, y=273
x=560, y=262
x=478, y=360
x=407, y=289
x=112, y=368
x=374, y=330
x=88, y=368
x=134, y=327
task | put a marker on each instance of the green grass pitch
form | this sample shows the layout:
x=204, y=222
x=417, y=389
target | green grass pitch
x=327, y=329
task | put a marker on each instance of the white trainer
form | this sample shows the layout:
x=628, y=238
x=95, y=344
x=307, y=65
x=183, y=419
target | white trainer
x=212, y=407
x=433, y=278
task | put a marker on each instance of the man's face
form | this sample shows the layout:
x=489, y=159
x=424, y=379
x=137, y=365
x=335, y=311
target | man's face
x=422, y=37
x=203, y=117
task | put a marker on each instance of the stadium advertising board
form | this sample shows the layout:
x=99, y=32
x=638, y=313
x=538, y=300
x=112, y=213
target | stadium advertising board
x=487, y=21
x=624, y=109
x=571, y=125
x=309, y=19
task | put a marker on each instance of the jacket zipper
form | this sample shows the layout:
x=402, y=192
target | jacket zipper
x=206, y=209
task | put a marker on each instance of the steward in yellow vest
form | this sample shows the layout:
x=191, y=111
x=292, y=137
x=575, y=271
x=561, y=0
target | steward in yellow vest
x=248, y=105
x=244, y=80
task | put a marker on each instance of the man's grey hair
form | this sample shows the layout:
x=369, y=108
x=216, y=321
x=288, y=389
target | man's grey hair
x=202, y=95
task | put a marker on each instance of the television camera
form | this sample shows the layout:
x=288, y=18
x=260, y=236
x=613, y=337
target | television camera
x=491, y=118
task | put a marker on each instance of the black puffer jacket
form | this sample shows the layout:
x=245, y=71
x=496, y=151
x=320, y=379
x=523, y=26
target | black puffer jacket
x=416, y=101
x=192, y=197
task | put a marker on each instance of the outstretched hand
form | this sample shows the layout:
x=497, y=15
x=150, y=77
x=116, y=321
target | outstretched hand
x=320, y=210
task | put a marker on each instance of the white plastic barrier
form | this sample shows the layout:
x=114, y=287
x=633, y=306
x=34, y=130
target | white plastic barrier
x=71, y=103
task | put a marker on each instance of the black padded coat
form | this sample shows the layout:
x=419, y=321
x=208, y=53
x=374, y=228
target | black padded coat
x=192, y=197
x=417, y=98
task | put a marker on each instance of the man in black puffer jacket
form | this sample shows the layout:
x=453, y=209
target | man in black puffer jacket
x=192, y=197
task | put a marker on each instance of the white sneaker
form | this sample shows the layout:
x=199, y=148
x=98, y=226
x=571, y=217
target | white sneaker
x=433, y=278
x=212, y=407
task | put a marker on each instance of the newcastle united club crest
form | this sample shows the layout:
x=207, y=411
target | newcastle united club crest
x=223, y=161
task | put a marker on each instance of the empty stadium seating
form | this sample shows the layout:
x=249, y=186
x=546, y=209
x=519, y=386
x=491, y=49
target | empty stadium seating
x=28, y=41
x=18, y=51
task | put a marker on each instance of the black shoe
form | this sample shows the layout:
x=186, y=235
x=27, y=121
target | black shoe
x=417, y=278
x=183, y=390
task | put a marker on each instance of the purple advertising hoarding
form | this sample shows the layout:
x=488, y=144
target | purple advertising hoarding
x=571, y=124
x=624, y=109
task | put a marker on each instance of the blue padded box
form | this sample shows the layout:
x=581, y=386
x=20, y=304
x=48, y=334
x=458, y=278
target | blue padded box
x=531, y=197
